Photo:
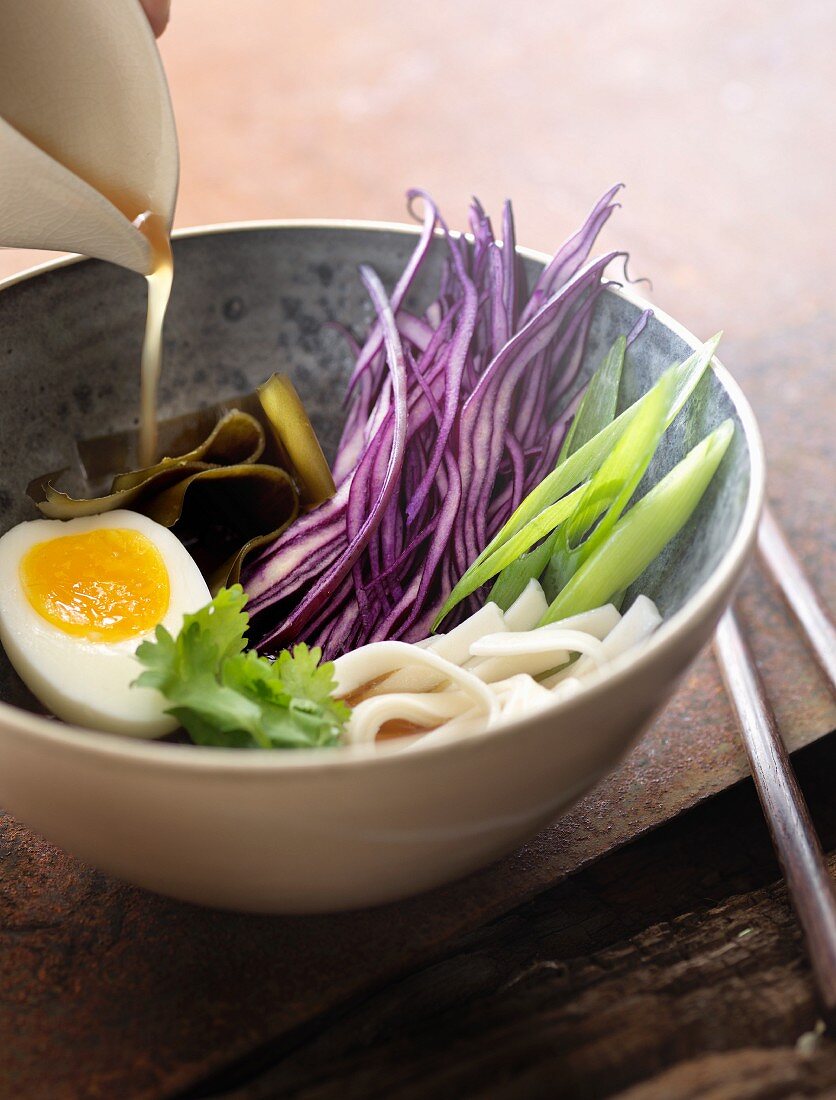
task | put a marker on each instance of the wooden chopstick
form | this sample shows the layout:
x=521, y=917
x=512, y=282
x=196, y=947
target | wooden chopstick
x=793, y=833
x=811, y=614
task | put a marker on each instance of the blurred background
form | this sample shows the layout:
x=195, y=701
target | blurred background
x=717, y=115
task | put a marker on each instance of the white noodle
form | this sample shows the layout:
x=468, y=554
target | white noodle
x=455, y=730
x=492, y=669
x=599, y=622
x=428, y=709
x=489, y=663
x=636, y=625
x=524, y=696
x=520, y=695
x=566, y=688
x=528, y=608
x=369, y=662
x=555, y=643
x=454, y=647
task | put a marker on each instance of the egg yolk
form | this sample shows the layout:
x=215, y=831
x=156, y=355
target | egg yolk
x=106, y=585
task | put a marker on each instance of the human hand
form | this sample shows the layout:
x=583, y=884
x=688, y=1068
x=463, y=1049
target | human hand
x=157, y=12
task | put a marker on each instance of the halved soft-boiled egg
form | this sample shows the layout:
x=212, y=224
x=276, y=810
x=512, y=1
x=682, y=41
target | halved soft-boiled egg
x=76, y=599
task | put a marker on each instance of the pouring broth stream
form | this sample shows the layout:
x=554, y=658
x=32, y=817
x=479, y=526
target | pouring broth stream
x=159, y=281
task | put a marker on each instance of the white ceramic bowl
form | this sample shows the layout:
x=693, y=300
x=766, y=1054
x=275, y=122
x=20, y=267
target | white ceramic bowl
x=316, y=831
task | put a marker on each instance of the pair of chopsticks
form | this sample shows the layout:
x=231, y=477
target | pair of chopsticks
x=793, y=833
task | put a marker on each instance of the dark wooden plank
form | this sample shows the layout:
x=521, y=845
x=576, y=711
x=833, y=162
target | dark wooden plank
x=785, y=1073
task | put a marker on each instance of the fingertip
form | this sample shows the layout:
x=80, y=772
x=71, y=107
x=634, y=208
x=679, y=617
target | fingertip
x=158, y=12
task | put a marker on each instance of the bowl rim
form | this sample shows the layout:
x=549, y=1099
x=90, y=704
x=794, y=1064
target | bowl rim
x=299, y=762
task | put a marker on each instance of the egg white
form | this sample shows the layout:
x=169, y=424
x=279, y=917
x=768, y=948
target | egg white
x=88, y=683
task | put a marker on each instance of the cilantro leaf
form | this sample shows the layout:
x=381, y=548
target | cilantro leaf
x=305, y=677
x=224, y=696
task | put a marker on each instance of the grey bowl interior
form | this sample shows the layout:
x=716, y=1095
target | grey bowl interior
x=251, y=300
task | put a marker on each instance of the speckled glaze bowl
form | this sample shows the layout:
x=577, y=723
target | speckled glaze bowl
x=316, y=831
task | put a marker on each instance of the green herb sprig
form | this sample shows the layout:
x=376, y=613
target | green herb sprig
x=224, y=696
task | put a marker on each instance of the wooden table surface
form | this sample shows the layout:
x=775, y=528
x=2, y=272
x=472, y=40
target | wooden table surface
x=672, y=968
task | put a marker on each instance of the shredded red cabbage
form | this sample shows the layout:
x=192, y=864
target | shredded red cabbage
x=453, y=418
